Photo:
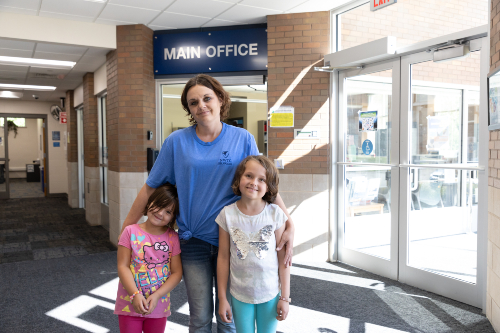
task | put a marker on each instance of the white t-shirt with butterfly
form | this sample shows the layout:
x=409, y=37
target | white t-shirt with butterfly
x=254, y=275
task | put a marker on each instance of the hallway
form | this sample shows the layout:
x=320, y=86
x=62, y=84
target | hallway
x=59, y=275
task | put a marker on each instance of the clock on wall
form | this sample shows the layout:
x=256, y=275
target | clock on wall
x=55, y=111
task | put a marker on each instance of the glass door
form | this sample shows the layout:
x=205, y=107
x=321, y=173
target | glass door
x=368, y=167
x=4, y=159
x=440, y=173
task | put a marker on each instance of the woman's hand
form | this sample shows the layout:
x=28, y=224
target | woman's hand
x=151, y=302
x=287, y=242
x=282, y=310
x=225, y=311
x=140, y=304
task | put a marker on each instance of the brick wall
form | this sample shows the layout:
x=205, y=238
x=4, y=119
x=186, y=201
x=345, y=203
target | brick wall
x=131, y=99
x=72, y=127
x=296, y=44
x=90, y=130
x=494, y=35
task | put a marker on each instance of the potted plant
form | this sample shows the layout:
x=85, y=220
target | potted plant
x=11, y=126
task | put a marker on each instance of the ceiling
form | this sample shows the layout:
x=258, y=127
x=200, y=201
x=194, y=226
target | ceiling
x=156, y=14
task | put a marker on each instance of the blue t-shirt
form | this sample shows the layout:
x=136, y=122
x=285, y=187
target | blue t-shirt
x=203, y=173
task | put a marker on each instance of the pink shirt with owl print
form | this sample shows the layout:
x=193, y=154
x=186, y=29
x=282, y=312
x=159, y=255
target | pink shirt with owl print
x=150, y=265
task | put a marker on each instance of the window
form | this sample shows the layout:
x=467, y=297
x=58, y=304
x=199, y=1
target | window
x=20, y=122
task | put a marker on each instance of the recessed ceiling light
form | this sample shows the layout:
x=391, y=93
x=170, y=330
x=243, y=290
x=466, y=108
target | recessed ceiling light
x=10, y=94
x=42, y=63
x=26, y=87
x=101, y=1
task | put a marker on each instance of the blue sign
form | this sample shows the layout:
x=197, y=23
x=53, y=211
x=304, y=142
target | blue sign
x=367, y=147
x=56, y=144
x=233, y=50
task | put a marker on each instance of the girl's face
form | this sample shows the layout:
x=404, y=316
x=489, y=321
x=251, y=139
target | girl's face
x=161, y=217
x=203, y=104
x=253, y=181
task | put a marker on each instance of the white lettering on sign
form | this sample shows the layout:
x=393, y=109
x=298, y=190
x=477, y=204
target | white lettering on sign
x=191, y=52
x=378, y=4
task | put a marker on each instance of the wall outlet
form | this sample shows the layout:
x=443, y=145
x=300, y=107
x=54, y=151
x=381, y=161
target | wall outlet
x=279, y=163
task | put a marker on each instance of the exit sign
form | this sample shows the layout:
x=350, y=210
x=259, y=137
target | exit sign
x=378, y=4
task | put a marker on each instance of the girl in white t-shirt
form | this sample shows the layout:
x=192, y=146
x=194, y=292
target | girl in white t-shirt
x=248, y=232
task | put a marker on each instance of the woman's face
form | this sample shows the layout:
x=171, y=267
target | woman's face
x=203, y=105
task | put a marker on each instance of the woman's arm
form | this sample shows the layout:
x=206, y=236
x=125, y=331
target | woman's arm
x=172, y=281
x=135, y=213
x=127, y=279
x=286, y=239
x=222, y=275
x=284, y=274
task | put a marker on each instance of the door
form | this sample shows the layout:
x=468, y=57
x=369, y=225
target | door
x=368, y=173
x=4, y=159
x=441, y=169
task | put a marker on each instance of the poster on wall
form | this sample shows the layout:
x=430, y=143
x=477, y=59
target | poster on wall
x=367, y=121
x=56, y=135
x=282, y=116
x=494, y=101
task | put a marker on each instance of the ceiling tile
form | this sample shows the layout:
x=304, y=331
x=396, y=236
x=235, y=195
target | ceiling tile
x=48, y=71
x=112, y=22
x=219, y=23
x=72, y=7
x=42, y=81
x=203, y=8
x=25, y=4
x=56, y=56
x=75, y=75
x=11, y=74
x=247, y=14
x=96, y=52
x=67, y=16
x=179, y=21
x=147, y=4
x=18, y=10
x=126, y=13
x=317, y=6
x=15, y=53
x=58, y=48
x=12, y=81
x=87, y=67
x=280, y=5
x=16, y=44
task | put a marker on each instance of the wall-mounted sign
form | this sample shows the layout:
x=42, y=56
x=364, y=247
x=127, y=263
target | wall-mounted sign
x=379, y=4
x=56, y=135
x=367, y=121
x=210, y=51
x=63, y=119
x=56, y=144
x=282, y=116
x=306, y=133
x=367, y=147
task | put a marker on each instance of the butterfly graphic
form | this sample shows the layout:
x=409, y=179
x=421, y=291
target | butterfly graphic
x=225, y=154
x=257, y=242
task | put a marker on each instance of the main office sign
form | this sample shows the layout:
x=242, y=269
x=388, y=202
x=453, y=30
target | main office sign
x=214, y=51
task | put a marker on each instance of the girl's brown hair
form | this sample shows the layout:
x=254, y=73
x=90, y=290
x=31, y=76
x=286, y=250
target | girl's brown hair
x=164, y=197
x=272, y=177
x=212, y=84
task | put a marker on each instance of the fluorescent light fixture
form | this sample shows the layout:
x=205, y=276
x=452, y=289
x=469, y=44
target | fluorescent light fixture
x=100, y=1
x=42, y=63
x=26, y=87
x=10, y=94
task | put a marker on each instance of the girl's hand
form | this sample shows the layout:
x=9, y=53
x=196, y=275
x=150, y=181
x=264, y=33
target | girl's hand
x=282, y=310
x=151, y=302
x=140, y=304
x=225, y=311
x=287, y=242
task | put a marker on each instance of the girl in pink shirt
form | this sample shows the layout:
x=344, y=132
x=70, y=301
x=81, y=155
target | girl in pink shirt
x=149, y=265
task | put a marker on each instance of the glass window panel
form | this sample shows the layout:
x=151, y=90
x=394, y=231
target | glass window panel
x=410, y=21
x=20, y=122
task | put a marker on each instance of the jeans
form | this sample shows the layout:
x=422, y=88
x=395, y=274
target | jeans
x=199, y=266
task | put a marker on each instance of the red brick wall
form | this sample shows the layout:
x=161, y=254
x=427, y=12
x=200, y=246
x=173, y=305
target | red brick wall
x=131, y=99
x=296, y=44
x=90, y=130
x=72, y=127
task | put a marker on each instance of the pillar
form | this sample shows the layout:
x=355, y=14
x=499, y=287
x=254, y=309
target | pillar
x=72, y=147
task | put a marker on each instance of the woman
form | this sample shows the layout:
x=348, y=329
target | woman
x=201, y=161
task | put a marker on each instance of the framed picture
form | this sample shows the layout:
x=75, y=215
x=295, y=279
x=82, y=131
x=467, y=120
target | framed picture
x=494, y=101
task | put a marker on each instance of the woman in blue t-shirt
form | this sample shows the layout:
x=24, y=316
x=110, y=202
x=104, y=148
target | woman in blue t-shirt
x=201, y=161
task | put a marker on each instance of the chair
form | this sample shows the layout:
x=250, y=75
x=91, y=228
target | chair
x=428, y=192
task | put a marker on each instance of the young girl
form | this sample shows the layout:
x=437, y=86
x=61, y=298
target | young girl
x=247, y=250
x=149, y=266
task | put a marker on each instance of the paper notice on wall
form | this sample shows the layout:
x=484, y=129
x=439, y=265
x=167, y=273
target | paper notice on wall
x=282, y=116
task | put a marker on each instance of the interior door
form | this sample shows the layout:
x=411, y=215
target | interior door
x=442, y=169
x=4, y=159
x=368, y=172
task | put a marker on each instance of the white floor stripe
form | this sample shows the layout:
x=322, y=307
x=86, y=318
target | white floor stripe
x=338, y=278
x=107, y=290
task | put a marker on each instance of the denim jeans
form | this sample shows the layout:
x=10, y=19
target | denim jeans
x=199, y=266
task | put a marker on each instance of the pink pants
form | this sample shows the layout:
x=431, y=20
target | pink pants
x=130, y=324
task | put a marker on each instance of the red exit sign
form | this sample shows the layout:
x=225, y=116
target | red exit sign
x=378, y=4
